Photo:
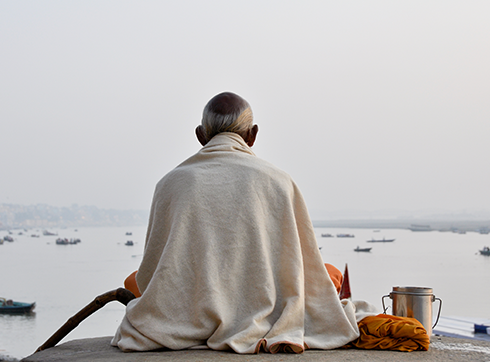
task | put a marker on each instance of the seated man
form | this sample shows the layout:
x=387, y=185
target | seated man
x=231, y=259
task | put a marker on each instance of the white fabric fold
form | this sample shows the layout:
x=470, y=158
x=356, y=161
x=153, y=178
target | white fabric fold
x=231, y=261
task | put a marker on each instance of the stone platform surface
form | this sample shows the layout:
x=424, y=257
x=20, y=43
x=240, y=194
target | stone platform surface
x=99, y=350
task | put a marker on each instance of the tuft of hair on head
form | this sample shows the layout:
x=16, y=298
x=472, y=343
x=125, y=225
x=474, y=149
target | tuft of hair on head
x=227, y=112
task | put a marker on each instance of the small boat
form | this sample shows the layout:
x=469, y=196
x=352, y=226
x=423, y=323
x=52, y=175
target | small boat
x=345, y=235
x=66, y=241
x=1, y=241
x=464, y=327
x=381, y=240
x=129, y=243
x=48, y=233
x=8, y=238
x=362, y=249
x=327, y=235
x=484, y=230
x=458, y=231
x=129, y=233
x=482, y=328
x=485, y=251
x=418, y=227
x=8, y=306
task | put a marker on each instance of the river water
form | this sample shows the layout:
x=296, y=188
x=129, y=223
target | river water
x=62, y=279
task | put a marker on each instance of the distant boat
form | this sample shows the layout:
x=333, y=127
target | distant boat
x=418, y=227
x=463, y=327
x=362, y=249
x=381, y=240
x=485, y=251
x=129, y=243
x=8, y=238
x=484, y=230
x=129, y=233
x=66, y=241
x=327, y=236
x=458, y=231
x=1, y=241
x=8, y=306
x=48, y=233
x=345, y=235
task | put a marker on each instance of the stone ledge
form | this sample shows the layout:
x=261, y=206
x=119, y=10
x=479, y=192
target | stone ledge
x=100, y=350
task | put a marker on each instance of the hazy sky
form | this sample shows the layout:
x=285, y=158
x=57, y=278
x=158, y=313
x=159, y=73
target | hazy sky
x=368, y=105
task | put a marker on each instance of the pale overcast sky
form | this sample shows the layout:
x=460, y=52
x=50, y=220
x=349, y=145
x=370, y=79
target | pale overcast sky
x=368, y=105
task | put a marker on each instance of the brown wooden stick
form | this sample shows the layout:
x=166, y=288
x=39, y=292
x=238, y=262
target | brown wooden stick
x=122, y=295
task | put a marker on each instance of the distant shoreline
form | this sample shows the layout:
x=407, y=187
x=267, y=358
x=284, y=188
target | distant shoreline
x=42, y=216
x=433, y=224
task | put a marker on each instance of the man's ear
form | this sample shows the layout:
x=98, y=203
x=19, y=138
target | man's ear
x=201, y=135
x=252, y=135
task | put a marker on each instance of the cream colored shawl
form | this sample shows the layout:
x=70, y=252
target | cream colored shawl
x=231, y=261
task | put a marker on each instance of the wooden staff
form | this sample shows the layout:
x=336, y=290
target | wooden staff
x=122, y=295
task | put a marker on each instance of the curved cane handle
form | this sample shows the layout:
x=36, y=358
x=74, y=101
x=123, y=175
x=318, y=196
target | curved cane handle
x=122, y=295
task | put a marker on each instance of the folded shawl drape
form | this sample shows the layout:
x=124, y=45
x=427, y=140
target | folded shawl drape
x=231, y=261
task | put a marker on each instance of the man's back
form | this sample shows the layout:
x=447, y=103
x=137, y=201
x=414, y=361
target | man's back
x=229, y=251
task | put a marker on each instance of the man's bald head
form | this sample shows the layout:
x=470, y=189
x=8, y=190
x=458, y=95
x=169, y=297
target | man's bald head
x=226, y=103
x=227, y=112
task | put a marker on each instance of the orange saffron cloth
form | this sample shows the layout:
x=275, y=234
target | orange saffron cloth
x=335, y=275
x=385, y=331
x=130, y=284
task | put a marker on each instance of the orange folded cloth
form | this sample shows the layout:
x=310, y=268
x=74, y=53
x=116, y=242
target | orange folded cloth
x=130, y=284
x=385, y=331
x=335, y=275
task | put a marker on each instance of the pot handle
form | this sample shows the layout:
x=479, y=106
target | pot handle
x=438, y=313
x=383, y=302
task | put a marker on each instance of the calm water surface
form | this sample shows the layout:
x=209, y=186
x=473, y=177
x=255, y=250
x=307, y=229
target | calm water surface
x=62, y=279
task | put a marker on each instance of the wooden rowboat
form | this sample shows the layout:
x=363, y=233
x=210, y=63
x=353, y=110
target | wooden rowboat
x=8, y=306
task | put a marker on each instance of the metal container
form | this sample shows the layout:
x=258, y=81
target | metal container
x=414, y=302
